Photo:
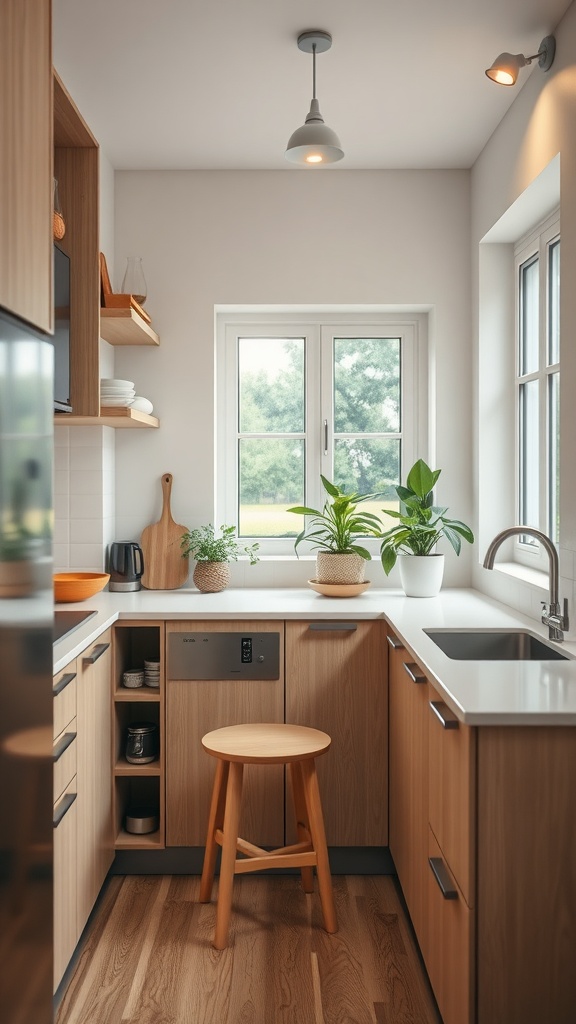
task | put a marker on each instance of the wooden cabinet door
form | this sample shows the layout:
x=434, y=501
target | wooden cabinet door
x=94, y=759
x=452, y=787
x=26, y=160
x=195, y=707
x=66, y=932
x=450, y=951
x=337, y=681
x=408, y=764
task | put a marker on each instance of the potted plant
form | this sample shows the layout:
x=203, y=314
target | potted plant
x=420, y=526
x=335, y=531
x=212, y=555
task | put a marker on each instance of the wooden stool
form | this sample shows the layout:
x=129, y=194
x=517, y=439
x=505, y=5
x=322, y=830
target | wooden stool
x=235, y=746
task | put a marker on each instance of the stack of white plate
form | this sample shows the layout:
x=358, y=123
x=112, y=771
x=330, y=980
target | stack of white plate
x=116, y=392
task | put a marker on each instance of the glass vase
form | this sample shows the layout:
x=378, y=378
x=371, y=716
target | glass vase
x=134, y=282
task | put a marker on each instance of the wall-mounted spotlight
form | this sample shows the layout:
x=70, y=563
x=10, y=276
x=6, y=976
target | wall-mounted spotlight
x=314, y=143
x=505, y=68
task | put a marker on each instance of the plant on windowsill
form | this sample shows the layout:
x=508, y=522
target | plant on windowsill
x=212, y=555
x=335, y=531
x=420, y=526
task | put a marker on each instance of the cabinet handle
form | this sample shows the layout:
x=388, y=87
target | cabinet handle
x=412, y=670
x=62, y=745
x=394, y=642
x=63, y=682
x=348, y=626
x=446, y=717
x=96, y=653
x=443, y=879
x=63, y=807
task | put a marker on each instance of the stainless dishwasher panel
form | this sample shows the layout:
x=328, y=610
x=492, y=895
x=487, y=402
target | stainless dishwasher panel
x=223, y=656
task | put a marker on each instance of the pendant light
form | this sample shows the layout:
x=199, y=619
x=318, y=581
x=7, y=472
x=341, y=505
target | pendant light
x=314, y=143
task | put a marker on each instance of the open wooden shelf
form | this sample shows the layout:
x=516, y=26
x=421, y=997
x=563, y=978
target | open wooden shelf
x=137, y=693
x=124, y=767
x=126, y=327
x=109, y=417
x=131, y=840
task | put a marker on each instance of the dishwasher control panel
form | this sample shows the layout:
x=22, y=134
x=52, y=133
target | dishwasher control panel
x=198, y=655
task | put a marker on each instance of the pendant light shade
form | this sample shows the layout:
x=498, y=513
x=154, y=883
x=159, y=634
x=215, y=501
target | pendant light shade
x=314, y=143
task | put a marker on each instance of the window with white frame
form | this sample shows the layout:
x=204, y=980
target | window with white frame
x=301, y=396
x=538, y=387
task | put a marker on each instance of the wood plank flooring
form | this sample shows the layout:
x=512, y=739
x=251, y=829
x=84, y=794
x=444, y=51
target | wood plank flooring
x=148, y=958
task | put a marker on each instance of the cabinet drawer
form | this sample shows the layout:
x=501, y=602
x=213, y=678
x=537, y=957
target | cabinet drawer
x=65, y=754
x=452, y=785
x=449, y=948
x=64, y=688
x=65, y=915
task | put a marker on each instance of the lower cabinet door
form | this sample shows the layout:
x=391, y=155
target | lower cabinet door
x=449, y=948
x=65, y=911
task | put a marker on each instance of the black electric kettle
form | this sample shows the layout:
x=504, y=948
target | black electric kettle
x=126, y=565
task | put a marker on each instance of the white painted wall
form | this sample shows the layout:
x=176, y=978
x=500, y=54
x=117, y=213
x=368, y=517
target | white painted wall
x=523, y=153
x=210, y=238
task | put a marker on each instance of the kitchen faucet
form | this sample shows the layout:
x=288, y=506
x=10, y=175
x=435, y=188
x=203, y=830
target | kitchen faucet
x=551, y=613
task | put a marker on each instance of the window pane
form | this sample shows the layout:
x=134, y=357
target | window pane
x=529, y=444
x=368, y=466
x=271, y=478
x=554, y=456
x=366, y=385
x=529, y=307
x=271, y=385
x=554, y=303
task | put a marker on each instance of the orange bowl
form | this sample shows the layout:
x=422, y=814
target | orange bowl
x=78, y=586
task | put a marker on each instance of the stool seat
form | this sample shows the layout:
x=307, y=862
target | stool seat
x=266, y=743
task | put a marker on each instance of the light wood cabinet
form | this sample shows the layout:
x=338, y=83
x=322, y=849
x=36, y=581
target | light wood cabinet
x=195, y=707
x=408, y=765
x=66, y=932
x=449, y=947
x=95, y=848
x=26, y=161
x=336, y=681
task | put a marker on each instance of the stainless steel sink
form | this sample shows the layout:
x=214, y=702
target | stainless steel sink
x=490, y=645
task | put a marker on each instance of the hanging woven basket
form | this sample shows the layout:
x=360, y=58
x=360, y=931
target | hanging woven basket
x=210, y=577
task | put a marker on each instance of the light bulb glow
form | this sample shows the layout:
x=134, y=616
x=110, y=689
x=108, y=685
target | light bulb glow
x=314, y=158
x=502, y=77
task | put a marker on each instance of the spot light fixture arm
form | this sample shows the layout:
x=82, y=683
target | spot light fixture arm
x=504, y=70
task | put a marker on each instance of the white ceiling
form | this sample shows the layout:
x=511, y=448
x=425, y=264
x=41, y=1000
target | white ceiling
x=221, y=84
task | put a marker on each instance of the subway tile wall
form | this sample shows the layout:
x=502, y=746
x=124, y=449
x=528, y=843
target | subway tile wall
x=83, y=497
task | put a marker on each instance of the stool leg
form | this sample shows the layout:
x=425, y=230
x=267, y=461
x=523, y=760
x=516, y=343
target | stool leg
x=314, y=807
x=215, y=820
x=231, y=820
x=301, y=816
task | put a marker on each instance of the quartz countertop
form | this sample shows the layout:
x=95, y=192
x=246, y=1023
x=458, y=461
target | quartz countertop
x=478, y=692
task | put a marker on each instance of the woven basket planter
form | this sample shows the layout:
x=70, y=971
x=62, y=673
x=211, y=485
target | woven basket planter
x=210, y=577
x=332, y=568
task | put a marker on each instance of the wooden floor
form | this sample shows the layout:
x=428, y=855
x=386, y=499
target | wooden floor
x=148, y=957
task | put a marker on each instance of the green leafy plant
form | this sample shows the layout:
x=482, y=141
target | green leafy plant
x=420, y=523
x=203, y=545
x=338, y=525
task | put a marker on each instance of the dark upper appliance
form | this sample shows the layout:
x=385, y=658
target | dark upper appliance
x=61, y=339
x=125, y=565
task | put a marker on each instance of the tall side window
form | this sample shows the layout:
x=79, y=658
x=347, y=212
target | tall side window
x=538, y=387
x=298, y=399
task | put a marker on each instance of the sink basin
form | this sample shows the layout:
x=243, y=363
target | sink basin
x=490, y=645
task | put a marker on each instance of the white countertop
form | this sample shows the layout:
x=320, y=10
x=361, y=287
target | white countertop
x=479, y=692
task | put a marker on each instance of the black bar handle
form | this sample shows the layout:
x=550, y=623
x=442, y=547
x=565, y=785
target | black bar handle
x=63, y=807
x=96, y=653
x=66, y=741
x=63, y=683
x=394, y=642
x=413, y=671
x=443, y=879
x=446, y=717
x=339, y=626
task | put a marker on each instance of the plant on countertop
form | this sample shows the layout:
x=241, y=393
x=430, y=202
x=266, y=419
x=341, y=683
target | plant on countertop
x=203, y=545
x=420, y=523
x=336, y=528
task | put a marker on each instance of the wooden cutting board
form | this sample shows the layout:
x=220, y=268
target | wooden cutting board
x=164, y=567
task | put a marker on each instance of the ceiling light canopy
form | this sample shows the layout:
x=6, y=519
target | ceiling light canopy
x=314, y=143
x=505, y=68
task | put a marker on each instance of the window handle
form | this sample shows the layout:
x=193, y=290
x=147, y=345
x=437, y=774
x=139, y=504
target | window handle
x=325, y=437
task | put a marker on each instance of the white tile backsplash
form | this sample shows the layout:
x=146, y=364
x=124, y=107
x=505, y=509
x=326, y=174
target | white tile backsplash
x=86, y=531
x=87, y=557
x=87, y=459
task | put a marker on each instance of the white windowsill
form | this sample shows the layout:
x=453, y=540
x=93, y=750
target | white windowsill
x=524, y=573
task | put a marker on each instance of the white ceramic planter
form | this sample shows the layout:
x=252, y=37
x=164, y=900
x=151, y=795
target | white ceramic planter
x=421, y=575
x=332, y=568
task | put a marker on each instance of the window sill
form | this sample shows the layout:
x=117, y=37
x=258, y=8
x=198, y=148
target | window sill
x=524, y=573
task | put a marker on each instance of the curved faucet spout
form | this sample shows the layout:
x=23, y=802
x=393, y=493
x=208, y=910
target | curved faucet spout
x=552, y=614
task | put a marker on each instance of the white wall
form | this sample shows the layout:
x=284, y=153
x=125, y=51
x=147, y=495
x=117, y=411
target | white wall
x=291, y=237
x=522, y=153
